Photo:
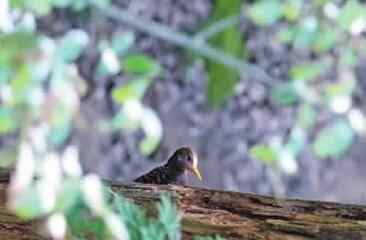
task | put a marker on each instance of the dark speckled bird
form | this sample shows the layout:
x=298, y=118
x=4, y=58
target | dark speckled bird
x=174, y=171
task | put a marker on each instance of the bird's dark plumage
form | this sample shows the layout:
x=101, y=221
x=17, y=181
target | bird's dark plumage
x=175, y=169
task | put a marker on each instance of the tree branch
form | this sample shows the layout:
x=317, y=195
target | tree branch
x=232, y=215
x=180, y=39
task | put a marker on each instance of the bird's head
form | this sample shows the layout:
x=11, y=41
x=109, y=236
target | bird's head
x=185, y=158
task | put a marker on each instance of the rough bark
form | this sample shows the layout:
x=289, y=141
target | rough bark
x=232, y=215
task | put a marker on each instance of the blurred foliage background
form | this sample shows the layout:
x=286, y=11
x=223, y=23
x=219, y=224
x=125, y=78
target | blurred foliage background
x=270, y=93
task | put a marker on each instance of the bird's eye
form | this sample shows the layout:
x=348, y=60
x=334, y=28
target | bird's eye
x=189, y=158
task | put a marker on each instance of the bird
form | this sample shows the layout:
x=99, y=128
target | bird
x=174, y=171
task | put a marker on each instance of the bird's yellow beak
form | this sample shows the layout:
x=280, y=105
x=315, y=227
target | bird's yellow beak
x=196, y=172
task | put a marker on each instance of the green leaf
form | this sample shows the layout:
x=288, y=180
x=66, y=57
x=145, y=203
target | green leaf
x=309, y=71
x=69, y=195
x=169, y=217
x=8, y=155
x=60, y=133
x=325, y=39
x=306, y=116
x=265, y=12
x=296, y=141
x=134, y=89
x=292, y=9
x=222, y=79
x=153, y=129
x=7, y=121
x=140, y=64
x=16, y=44
x=27, y=204
x=305, y=32
x=351, y=11
x=62, y=3
x=285, y=35
x=71, y=45
x=333, y=140
x=264, y=153
x=345, y=87
x=40, y=7
x=121, y=42
x=284, y=93
x=348, y=57
x=21, y=82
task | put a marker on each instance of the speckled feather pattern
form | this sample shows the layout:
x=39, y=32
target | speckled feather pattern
x=162, y=175
x=174, y=171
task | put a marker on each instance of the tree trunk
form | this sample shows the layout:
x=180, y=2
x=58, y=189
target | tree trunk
x=231, y=215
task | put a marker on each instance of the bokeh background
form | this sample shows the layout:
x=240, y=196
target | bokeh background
x=291, y=123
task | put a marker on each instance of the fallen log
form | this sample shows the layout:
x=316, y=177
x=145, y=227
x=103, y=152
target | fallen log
x=232, y=215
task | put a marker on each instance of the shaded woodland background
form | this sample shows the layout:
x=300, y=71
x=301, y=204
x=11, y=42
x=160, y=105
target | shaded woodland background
x=271, y=94
x=223, y=136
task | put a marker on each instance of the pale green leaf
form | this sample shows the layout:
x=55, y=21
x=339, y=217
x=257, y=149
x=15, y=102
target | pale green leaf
x=333, y=140
x=284, y=93
x=265, y=12
x=306, y=116
x=121, y=42
x=134, y=89
x=72, y=44
x=140, y=64
x=325, y=39
x=309, y=71
x=263, y=153
x=7, y=121
x=342, y=88
x=351, y=10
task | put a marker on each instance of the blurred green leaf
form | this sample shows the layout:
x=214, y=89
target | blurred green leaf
x=309, y=71
x=169, y=217
x=21, y=82
x=153, y=129
x=306, y=116
x=60, y=133
x=292, y=9
x=348, y=57
x=285, y=35
x=40, y=7
x=140, y=64
x=305, y=32
x=325, y=39
x=345, y=87
x=134, y=89
x=149, y=144
x=79, y=5
x=284, y=93
x=7, y=121
x=27, y=204
x=62, y=3
x=5, y=74
x=333, y=140
x=71, y=45
x=222, y=79
x=351, y=10
x=121, y=42
x=265, y=12
x=15, y=44
x=296, y=141
x=69, y=195
x=8, y=155
x=264, y=153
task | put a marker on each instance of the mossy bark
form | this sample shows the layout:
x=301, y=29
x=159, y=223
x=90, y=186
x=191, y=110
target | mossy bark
x=231, y=215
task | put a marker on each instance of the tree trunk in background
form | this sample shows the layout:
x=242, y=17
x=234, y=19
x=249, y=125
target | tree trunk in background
x=230, y=214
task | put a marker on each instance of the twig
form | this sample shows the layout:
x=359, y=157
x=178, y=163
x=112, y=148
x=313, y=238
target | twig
x=216, y=27
x=185, y=41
